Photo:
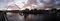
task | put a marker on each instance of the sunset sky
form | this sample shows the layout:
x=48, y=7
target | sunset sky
x=20, y=3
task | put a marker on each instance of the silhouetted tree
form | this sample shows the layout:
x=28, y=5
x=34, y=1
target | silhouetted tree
x=31, y=11
x=26, y=11
x=35, y=11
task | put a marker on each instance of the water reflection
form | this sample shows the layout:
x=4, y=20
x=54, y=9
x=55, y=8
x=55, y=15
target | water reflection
x=27, y=17
x=32, y=17
x=15, y=17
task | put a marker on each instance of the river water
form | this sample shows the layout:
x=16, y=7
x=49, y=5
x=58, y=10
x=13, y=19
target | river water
x=29, y=17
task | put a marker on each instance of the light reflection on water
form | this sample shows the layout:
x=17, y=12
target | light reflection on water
x=15, y=17
x=30, y=17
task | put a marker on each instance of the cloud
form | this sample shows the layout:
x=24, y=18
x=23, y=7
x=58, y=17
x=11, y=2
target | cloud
x=21, y=3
